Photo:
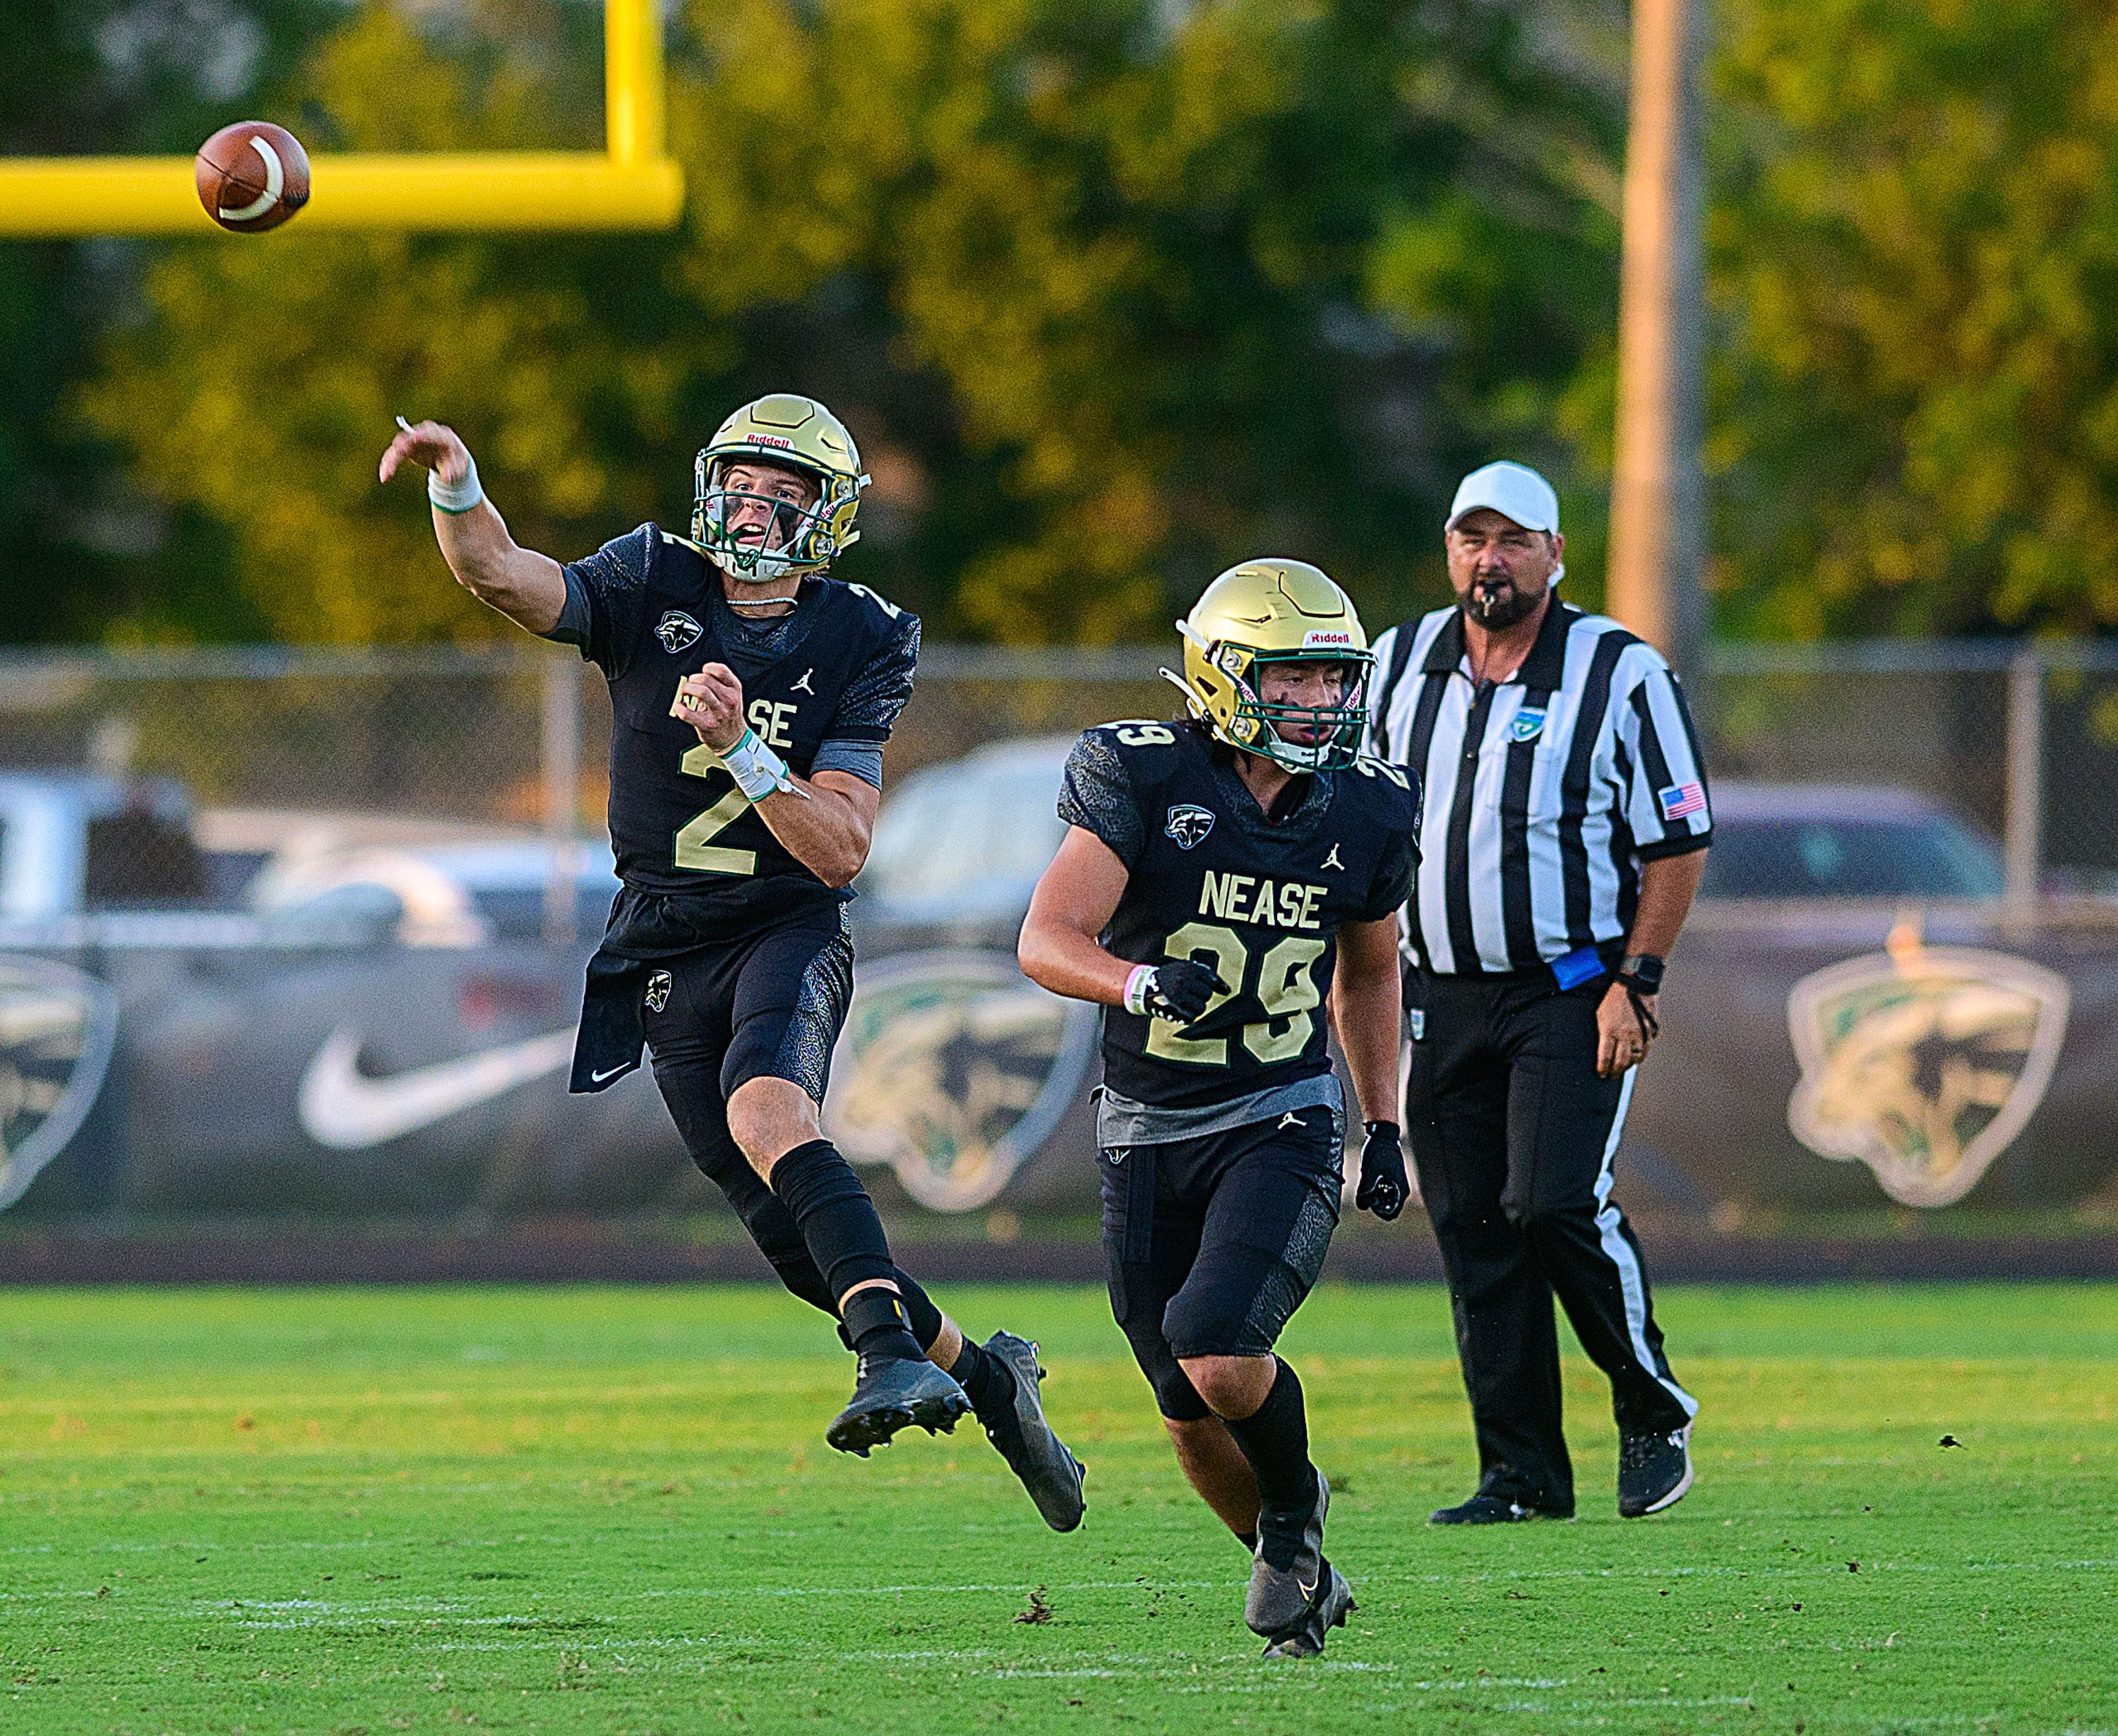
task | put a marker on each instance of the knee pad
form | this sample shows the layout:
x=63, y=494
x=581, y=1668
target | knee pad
x=1175, y=1397
x=1238, y=1299
x=1213, y=1319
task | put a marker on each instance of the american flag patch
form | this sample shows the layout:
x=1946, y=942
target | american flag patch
x=1679, y=801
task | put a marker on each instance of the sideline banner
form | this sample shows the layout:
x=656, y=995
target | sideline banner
x=1829, y=1063
x=1812, y=1058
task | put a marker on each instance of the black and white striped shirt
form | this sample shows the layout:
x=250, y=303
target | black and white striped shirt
x=1543, y=794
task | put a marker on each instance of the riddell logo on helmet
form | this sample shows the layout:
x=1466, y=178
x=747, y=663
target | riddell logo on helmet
x=1317, y=638
x=771, y=440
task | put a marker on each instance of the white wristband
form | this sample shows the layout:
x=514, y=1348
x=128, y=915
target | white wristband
x=1136, y=987
x=756, y=768
x=456, y=497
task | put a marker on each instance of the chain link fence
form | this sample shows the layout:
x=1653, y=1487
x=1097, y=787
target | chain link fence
x=399, y=746
x=2021, y=739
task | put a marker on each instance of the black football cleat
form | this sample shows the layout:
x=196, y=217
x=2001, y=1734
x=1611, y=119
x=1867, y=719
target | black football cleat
x=1484, y=1509
x=1279, y=1599
x=894, y=1392
x=1333, y=1603
x=1023, y=1437
x=1654, y=1471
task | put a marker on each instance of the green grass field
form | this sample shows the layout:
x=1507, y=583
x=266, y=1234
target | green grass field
x=606, y=1510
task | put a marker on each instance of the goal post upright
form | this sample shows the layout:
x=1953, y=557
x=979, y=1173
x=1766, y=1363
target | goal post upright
x=631, y=184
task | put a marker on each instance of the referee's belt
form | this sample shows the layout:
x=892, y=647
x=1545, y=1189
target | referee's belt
x=1570, y=971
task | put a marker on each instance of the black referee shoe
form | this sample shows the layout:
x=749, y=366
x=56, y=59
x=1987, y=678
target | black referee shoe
x=1483, y=1509
x=1653, y=1471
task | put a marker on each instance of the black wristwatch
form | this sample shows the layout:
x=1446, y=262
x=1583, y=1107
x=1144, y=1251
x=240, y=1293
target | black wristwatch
x=1644, y=971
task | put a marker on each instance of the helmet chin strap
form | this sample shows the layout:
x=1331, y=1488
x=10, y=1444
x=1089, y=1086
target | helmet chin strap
x=766, y=569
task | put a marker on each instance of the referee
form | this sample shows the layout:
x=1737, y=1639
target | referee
x=1565, y=824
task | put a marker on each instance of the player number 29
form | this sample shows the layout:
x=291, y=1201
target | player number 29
x=695, y=845
x=1285, y=988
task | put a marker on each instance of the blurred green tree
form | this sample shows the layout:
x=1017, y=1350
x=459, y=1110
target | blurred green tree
x=85, y=545
x=1113, y=292
x=1914, y=243
x=262, y=388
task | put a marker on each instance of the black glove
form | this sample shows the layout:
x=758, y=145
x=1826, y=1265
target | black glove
x=1179, y=992
x=1383, y=1186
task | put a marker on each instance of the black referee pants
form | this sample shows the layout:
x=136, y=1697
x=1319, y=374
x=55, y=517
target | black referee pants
x=1512, y=1134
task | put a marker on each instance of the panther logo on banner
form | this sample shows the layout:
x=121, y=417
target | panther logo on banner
x=953, y=1070
x=1923, y=1062
x=57, y=1030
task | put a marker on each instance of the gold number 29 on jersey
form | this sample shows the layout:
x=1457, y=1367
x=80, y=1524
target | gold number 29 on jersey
x=1286, y=989
x=694, y=847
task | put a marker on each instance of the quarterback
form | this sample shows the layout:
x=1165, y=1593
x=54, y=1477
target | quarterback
x=1221, y=879
x=752, y=697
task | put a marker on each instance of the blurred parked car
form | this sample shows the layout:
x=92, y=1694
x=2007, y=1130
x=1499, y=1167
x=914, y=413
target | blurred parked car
x=1828, y=841
x=325, y=1020
x=965, y=841
x=446, y=895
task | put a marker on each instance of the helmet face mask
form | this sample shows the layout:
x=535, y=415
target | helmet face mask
x=792, y=532
x=1335, y=731
x=1267, y=613
x=786, y=433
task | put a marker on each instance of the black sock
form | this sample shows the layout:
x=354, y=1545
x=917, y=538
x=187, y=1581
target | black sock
x=919, y=1307
x=877, y=1323
x=987, y=1382
x=1275, y=1437
x=844, y=1236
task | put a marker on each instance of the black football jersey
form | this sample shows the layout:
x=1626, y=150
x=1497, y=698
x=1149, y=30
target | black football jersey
x=1261, y=900
x=678, y=824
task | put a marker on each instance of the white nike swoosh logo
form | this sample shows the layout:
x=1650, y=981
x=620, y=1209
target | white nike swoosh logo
x=608, y=1072
x=1308, y=1587
x=275, y=183
x=344, y=1109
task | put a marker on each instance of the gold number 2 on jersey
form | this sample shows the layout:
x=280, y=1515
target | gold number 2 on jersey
x=1285, y=988
x=695, y=845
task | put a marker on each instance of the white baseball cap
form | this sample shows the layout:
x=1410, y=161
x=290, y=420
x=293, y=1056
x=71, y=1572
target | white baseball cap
x=1514, y=491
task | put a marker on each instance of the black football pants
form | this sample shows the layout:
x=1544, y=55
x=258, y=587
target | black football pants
x=1513, y=1133
x=1210, y=1244
x=768, y=1004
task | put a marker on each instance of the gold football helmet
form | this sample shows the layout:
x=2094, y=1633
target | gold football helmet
x=800, y=434
x=1266, y=612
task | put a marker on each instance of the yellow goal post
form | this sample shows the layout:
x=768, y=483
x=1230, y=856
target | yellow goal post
x=631, y=184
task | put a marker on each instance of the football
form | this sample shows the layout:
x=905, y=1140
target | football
x=252, y=176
